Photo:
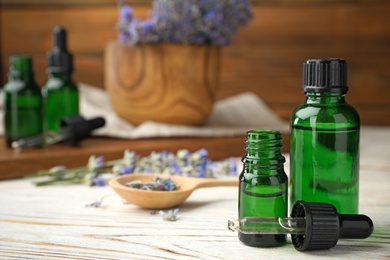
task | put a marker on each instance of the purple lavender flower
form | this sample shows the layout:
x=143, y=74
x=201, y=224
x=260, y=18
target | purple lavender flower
x=99, y=181
x=57, y=169
x=121, y=169
x=187, y=21
x=203, y=153
x=95, y=163
x=126, y=14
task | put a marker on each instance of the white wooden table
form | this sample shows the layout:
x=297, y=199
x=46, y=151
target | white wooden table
x=53, y=222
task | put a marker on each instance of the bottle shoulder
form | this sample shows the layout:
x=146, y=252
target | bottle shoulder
x=344, y=115
x=57, y=83
x=15, y=85
x=21, y=87
x=262, y=176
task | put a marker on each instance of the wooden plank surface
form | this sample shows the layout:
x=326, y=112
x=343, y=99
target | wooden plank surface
x=265, y=57
x=52, y=222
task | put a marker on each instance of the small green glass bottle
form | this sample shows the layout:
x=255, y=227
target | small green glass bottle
x=22, y=101
x=60, y=93
x=325, y=139
x=263, y=185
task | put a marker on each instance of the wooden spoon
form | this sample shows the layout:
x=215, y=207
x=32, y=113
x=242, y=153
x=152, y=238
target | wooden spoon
x=162, y=199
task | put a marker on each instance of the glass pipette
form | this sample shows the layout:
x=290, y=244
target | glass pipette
x=312, y=226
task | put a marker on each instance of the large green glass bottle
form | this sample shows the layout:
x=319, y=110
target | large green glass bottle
x=325, y=139
x=60, y=93
x=22, y=101
x=263, y=185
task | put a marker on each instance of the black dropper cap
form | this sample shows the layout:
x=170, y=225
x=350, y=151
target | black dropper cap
x=59, y=59
x=76, y=128
x=324, y=226
x=325, y=75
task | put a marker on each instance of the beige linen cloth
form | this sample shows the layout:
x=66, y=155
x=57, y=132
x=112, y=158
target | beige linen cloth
x=229, y=117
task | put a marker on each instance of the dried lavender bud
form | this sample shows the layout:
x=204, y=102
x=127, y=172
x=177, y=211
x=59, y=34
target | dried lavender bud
x=95, y=163
x=170, y=215
x=99, y=181
x=126, y=14
x=158, y=184
x=121, y=169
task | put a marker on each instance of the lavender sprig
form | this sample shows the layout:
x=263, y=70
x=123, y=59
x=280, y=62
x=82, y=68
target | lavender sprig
x=97, y=172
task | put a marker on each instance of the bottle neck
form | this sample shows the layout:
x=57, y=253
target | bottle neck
x=325, y=98
x=21, y=69
x=263, y=152
x=28, y=77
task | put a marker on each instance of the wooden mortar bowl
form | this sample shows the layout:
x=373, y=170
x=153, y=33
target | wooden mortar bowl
x=162, y=82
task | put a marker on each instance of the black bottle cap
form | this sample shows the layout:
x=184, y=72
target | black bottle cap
x=324, y=226
x=325, y=75
x=76, y=128
x=59, y=59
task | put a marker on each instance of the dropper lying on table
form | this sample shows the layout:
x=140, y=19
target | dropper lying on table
x=312, y=226
x=73, y=130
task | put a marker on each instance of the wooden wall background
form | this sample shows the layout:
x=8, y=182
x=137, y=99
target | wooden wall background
x=266, y=57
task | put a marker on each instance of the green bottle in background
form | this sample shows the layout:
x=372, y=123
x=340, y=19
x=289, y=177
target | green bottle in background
x=325, y=139
x=60, y=93
x=263, y=186
x=22, y=101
